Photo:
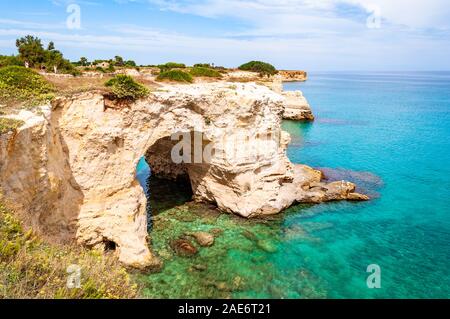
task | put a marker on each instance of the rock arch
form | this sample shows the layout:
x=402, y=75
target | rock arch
x=84, y=151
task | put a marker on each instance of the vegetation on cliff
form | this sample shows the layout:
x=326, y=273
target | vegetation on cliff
x=21, y=85
x=31, y=268
x=262, y=68
x=176, y=76
x=171, y=65
x=204, y=71
x=125, y=87
x=8, y=125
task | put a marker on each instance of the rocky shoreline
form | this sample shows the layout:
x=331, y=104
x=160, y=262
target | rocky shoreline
x=70, y=169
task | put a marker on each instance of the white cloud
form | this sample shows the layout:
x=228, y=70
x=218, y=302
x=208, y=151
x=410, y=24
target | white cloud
x=410, y=13
x=289, y=33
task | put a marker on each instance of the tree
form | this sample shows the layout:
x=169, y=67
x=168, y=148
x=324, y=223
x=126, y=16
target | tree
x=262, y=68
x=51, y=46
x=83, y=61
x=118, y=61
x=130, y=63
x=31, y=50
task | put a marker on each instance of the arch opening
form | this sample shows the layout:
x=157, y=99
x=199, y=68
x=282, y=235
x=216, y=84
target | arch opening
x=165, y=182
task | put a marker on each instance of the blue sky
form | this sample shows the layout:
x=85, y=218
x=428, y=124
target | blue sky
x=315, y=35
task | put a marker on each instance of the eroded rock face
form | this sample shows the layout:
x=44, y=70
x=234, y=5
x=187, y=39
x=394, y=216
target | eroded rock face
x=296, y=107
x=293, y=75
x=71, y=171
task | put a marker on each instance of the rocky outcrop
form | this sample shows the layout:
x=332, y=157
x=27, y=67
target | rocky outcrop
x=293, y=76
x=71, y=169
x=204, y=239
x=296, y=107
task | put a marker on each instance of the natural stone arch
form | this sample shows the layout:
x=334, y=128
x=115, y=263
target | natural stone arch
x=85, y=150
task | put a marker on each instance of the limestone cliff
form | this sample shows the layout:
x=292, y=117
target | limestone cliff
x=296, y=107
x=71, y=169
x=293, y=76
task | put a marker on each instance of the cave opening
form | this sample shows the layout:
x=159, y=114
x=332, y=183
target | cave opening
x=166, y=184
x=109, y=245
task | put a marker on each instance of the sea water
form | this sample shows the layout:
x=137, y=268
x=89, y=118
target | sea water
x=388, y=133
x=396, y=128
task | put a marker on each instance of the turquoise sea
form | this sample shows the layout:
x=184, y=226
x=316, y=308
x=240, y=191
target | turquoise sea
x=387, y=132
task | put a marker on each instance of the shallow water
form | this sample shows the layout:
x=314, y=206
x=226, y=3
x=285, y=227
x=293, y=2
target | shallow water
x=386, y=132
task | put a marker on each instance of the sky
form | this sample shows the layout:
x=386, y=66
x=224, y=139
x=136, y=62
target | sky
x=312, y=35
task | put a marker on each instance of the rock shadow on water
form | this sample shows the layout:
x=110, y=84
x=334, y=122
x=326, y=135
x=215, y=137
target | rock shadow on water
x=366, y=182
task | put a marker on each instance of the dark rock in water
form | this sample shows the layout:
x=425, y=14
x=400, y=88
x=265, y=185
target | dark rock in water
x=199, y=267
x=267, y=246
x=183, y=247
x=249, y=235
x=366, y=182
x=203, y=239
x=222, y=286
x=216, y=231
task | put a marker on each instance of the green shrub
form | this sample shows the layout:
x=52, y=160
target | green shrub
x=100, y=69
x=125, y=87
x=202, y=65
x=175, y=75
x=110, y=69
x=9, y=61
x=76, y=72
x=202, y=71
x=261, y=67
x=20, y=84
x=8, y=125
x=171, y=65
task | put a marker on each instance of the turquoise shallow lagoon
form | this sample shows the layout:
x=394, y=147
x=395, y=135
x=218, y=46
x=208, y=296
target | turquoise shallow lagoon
x=387, y=132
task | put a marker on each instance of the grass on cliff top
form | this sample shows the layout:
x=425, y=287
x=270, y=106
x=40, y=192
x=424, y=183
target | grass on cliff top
x=262, y=68
x=30, y=268
x=176, y=76
x=206, y=72
x=24, y=87
x=125, y=87
x=9, y=125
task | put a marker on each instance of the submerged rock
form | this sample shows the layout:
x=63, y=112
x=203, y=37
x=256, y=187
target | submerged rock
x=183, y=247
x=266, y=245
x=199, y=267
x=249, y=235
x=204, y=239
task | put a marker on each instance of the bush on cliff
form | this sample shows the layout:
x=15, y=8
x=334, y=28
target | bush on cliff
x=125, y=87
x=203, y=65
x=176, y=76
x=19, y=84
x=207, y=72
x=30, y=268
x=262, y=68
x=9, y=125
x=171, y=65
